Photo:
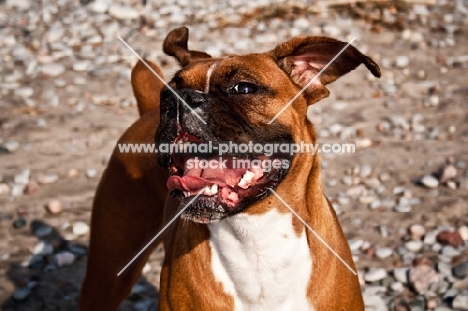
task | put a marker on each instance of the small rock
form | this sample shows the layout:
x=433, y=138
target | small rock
x=123, y=12
x=355, y=245
x=19, y=223
x=429, y=181
x=421, y=277
x=431, y=237
x=80, y=228
x=72, y=173
x=384, y=252
x=53, y=70
x=22, y=178
x=17, y=190
x=4, y=189
x=32, y=187
x=64, y=259
x=402, y=61
x=374, y=275
x=42, y=231
x=460, y=303
x=47, y=178
x=414, y=246
x=417, y=232
x=447, y=172
x=461, y=271
x=91, y=173
x=21, y=293
x=397, y=287
x=450, y=238
x=11, y=145
x=54, y=206
x=401, y=274
x=463, y=232
x=43, y=248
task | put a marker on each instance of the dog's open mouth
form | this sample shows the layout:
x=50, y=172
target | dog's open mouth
x=227, y=184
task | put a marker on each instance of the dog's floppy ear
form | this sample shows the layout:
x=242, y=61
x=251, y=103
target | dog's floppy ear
x=303, y=58
x=175, y=45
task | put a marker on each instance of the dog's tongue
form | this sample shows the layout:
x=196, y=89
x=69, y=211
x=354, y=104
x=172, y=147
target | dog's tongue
x=195, y=179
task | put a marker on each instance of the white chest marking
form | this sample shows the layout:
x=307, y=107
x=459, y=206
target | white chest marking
x=261, y=262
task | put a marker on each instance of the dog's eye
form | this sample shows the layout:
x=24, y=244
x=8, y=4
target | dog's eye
x=243, y=88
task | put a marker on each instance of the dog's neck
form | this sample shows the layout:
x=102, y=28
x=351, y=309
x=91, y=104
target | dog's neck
x=262, y=261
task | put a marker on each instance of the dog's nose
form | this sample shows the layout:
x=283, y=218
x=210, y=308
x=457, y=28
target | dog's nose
x=193, y=98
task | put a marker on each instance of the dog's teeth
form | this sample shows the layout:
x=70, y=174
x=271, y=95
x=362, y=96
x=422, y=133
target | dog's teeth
x=246, y=180
x=214, y=189
x=207, y=190
x=186, y=193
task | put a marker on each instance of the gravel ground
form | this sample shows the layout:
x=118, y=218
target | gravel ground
x=402, y=198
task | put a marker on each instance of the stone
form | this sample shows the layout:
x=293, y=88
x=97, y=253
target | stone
x=42, y=231
x=19, y=223
x=91, y=173
x=417, y=232
x=421, y=277
x=384, y=252
x=22, y=178
x=54, y=206
x=45, y=179
x=402, y=61
x=463, y=232
x=123, y=12
x=374, y=275
x=460, y=303
x=43, y=248
x=64, y=259
x=21, y=293
x=53, y=70
x=461, y=270
x=80, y=228
x=414, y=246
x=4, y=189
x=450, y=238
x=429, y=181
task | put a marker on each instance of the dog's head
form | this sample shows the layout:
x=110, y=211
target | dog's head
x=234, y=102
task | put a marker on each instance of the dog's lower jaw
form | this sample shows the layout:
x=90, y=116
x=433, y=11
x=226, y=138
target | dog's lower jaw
x=261, y=261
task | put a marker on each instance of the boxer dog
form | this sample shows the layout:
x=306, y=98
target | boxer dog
x=236, y=246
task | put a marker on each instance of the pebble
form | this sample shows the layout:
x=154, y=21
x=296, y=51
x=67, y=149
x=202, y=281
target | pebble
x=461, y=270
x=4, y=189
x=421, y=277
x=47, y=178
x=429, y=181
x=19, y=223
x=64, y=259
x=22, y=178
x=91, y=173
x=463, y=232
x=414, y=246
x=417, y=232
x=80, y=228
x=17, y=190
x=123, y=12
x=21, y=293
x=450, y=238
x=401, y=274
x=460, y=303
x=11, y=145
x=54, y=206
x=374, y=275
x=446, y=173
x=43, y=248
x=42, y=231
x=355, y=245
x=53, y=70
x=384, y=252
x=402, y=61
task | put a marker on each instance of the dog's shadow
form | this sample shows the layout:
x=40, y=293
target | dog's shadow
x=52, y=288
